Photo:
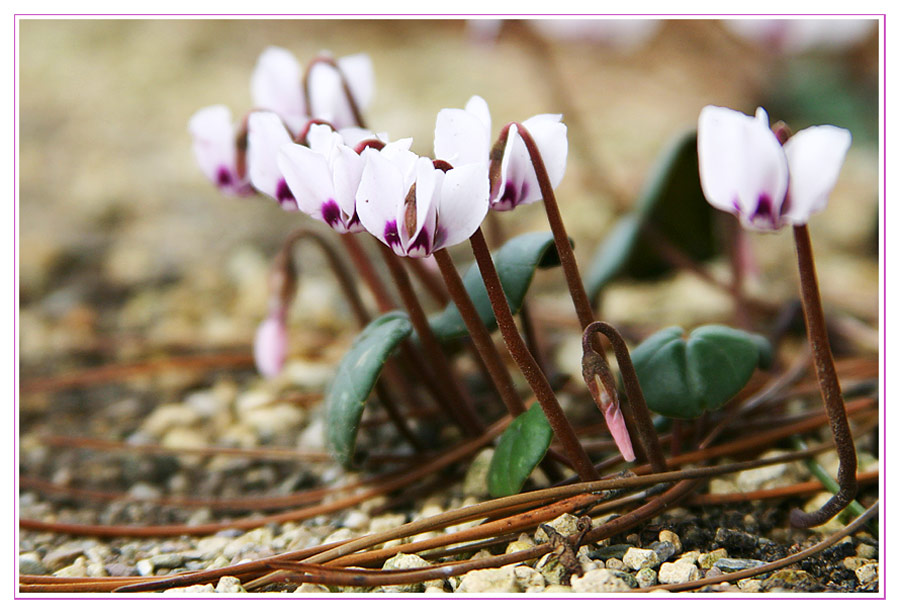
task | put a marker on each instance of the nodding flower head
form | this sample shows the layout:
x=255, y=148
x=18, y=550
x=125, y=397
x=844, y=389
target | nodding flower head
x=517, y=183
x=745, y=169
x=279, y=85
x=462, y=136
x=323, y=177
x=415, y=208
x=220, y=150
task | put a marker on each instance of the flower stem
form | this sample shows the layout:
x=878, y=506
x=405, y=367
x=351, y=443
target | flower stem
x=527, y=364
x=481, y=338
x=640, y=415
x=580, y=299
x=345, y=280
x=338, y=267
x=429, y=280
x=829, y=386
x=460, y=407
x=364, y=265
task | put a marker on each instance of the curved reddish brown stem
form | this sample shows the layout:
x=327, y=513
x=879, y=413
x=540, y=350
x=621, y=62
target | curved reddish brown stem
x=640, y=415
x=829, y=386
x=562, y=428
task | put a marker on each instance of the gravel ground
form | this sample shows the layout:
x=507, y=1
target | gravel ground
x=127, y=255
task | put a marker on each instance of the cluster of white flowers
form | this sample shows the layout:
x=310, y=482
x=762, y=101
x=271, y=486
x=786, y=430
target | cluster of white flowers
x=303, y=147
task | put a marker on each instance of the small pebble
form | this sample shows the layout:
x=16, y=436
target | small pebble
x=664, y=550
x=529, y=578
x=866, y=551
x=749, y=585
x=867, y=574
x=475, y=483
x=77, y=569
x=616, y=564
x=672, y=538
x=708, y=559
x=566, y=525
x=854, y=562
x=646, y=577
x=603, y=581
x=196, y=588
x=728, y=565
x=62, y=557
x=679, y=572
x=639, y=558
x=502, y=580
x=312, y=588
x=30, y=564
x=229, y=584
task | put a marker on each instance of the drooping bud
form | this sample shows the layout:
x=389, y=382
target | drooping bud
x=601, y=385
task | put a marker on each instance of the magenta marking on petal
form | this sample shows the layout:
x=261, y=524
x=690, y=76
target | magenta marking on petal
x=223, y=177
x=283, y=193
x=764, y=209
x=331, y=213
x=391, y=235
x=421, y=247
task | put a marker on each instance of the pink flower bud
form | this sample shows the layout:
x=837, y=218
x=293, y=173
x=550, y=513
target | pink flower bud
x=270, y=345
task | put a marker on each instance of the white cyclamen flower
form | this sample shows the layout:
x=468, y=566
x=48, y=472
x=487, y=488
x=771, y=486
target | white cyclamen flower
x=746, y=171
x=324, y=177
x=518, y=183
x=415, y=208
x=215, y=147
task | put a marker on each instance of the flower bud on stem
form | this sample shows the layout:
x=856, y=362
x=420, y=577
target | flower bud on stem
x=640, y=415
x=580, y=300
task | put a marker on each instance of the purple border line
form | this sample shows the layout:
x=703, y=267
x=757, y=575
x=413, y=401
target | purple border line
x=882, y=18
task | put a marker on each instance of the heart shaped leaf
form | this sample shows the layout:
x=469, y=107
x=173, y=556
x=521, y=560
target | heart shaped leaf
x=519, y=450
x=682, y=377
x=516, y=262
x=356, y=376
x=671, y=205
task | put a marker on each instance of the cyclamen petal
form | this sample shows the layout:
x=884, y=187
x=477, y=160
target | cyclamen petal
x=744, y=170
x=462, y=136
x=276, y=86
x=266, y=135
x=465, y=200
x=814, y=157
x=447, y=209
x=215, y=148
x=615, y=422
x=518, y=180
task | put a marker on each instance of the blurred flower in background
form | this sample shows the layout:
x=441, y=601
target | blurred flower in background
x=802, y=35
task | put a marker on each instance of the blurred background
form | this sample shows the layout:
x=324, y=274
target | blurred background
x=125, y=249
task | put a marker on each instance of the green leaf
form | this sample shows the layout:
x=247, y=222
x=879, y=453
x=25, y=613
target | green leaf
x=516, y=263
x=672, y=203
x=356, y=376
x=519, y=450
x=682, y=377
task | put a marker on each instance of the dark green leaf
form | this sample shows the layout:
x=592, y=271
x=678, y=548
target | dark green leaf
x=356, y=376
x=519, y=450
x=516, y=262
x=684, y=377
x=671, y=204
